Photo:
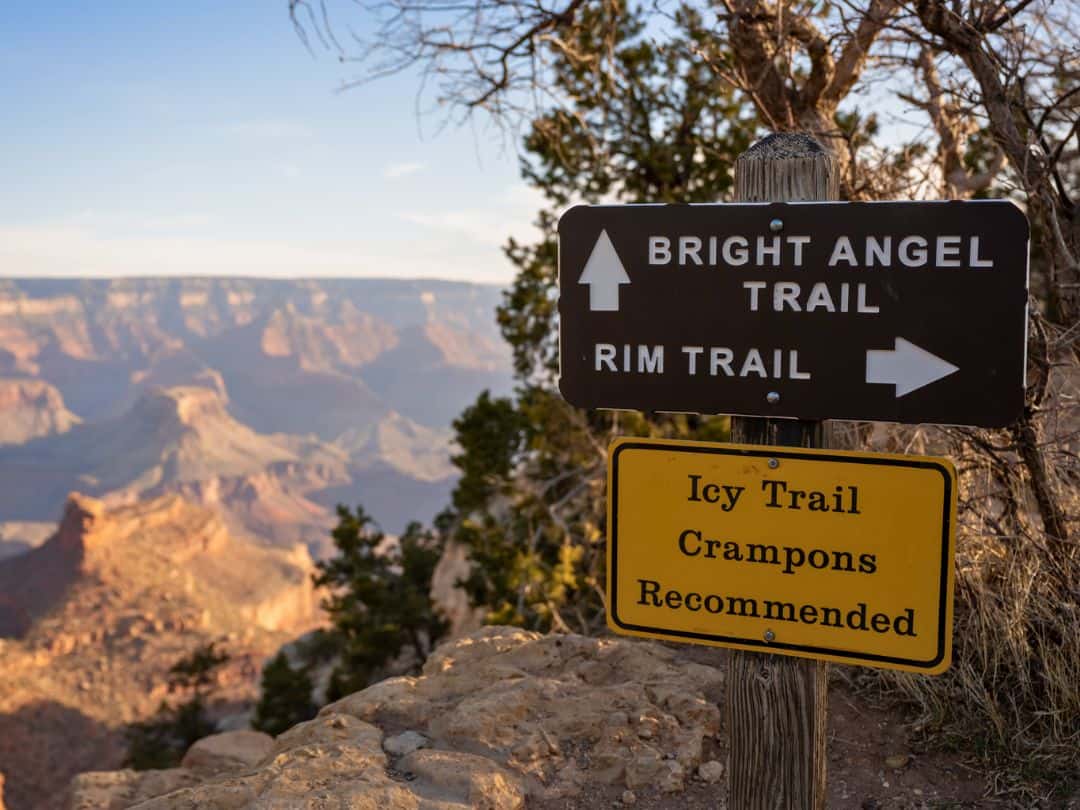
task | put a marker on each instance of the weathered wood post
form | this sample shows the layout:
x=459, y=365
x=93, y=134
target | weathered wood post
x=776, y=705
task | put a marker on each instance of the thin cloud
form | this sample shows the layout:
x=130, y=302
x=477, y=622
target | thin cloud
x=131, y=222
x=511, y=215
x=396, y=170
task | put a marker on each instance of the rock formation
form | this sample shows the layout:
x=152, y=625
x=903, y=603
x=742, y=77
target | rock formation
x=262, y=365
x=91, y=621
x=496, y=718
x=31, y=408
x=280, y=488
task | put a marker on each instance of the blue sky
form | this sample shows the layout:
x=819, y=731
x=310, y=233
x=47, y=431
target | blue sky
x=204, y=138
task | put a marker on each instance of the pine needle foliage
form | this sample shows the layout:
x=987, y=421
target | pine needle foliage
x=379, y=598
x=530, y=504
x=285, y=697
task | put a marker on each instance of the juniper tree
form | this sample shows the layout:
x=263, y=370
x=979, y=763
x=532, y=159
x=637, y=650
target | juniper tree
x=284, y=697
x=378, y=598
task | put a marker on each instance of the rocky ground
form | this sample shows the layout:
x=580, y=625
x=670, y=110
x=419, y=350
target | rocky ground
x=504, y=719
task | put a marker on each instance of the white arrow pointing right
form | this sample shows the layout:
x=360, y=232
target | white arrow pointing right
x=907, y=366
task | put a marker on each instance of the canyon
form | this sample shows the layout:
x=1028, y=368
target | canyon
x=172, y=454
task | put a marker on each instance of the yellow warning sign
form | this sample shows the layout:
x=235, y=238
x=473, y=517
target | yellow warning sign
x=825, y=554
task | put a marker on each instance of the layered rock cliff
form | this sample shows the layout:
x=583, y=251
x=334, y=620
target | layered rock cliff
x=31, y=408
x=92, y=620
x=262, y=365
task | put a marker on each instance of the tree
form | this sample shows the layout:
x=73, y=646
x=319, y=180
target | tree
x=1008, y=110
x=162, y=741
x=928, y=99
x=379, y=598
x=530, y=501
x=285, y=697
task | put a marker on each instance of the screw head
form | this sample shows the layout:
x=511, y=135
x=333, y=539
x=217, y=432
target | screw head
x=776, y=225
x=770, y=636
x=772, y=397
x=773, y=463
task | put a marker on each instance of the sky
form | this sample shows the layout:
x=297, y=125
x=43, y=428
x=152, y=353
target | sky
x=204, y=138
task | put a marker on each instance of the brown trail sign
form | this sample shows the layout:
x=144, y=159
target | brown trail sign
x=892, y=311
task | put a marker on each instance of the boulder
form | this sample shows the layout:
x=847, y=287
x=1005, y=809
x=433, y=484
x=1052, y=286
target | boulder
x=228, y=752
x=405, y=743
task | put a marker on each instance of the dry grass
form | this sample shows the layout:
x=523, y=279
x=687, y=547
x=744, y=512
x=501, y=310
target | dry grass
x=1011, y=700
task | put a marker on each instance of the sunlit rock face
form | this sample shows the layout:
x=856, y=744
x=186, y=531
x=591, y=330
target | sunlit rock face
x=92, y=620
x=497, y=718
x=31, y=408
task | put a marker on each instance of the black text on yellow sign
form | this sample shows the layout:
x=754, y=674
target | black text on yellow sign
x=826, y=554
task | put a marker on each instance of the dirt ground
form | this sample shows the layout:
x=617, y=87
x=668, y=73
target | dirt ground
x=872, y=765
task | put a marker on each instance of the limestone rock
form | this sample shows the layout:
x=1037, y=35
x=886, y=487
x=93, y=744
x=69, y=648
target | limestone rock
x=470, y=780
x=711, y=771
x=116, y=790
x=31, y=408
x=405, y=743
x=227, y=752
x=505, y=714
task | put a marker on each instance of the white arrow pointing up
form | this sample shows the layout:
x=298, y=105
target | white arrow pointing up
x=604, y=273
x=907, y=367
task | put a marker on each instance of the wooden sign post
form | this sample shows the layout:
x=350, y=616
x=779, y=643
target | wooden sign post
x=777, y=706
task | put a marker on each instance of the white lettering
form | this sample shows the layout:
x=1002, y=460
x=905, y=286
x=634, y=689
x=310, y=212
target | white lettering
x=736, y=251
x=689, y=246
x=753, y=364
x=720, y=358
x=879, y=251
x=912, y=251
x=650, y=362
x=786, y=292
x=772, y=251
x=754, y=287
x=605, y=355
x=692, y=353
x=948, y=251
x=798, y=242
x=820, y=298
x=975, y=261
x=794, y=361
x=659, y=250
x=862, y=306
x=842, y=252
